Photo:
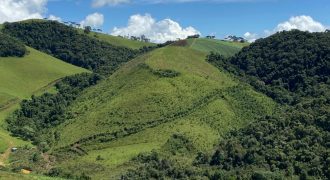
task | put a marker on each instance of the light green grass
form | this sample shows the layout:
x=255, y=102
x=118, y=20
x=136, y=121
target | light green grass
x=202, y=103
x=223, y=47
x=20, y=78
x=15, y=176
x=118, y=41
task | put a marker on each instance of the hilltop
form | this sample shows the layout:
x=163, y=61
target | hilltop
x=68, y=44
x=120, y=41
x=225, y=48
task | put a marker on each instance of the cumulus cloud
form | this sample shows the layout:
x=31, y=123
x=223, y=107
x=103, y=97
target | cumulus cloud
x=16, y=10
x=54, y=18
x=93, y=20
x=251, y=37
x=302, y=23
x=100, y=3
x=157, y=31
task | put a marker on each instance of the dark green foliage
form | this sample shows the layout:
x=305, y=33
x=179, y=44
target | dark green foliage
x=39, y=114
x=87, y=29
x=285, y=65
x=11, y=47
x=166, y=73
x=293, y=68
x=179, y=144
x=155, y=167
x=162, y=73
x=67, y=44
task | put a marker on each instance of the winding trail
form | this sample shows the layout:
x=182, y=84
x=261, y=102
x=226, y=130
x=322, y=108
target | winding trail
x=5, y=155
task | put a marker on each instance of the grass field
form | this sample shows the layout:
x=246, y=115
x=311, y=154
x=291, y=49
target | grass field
x=15, y=176
x=22, y=77
x=137, y=110
x=225, y=48
x=118, y=41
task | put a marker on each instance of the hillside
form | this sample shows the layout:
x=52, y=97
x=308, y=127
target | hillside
x=292, y=67
x=120, y=41
x=169, y=91
x=67, y=44
x=225, y=48
x=21, y=77
x=10, y=46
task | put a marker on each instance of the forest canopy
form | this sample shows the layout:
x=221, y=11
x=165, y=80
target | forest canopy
x=10, y=47
x=67, y=44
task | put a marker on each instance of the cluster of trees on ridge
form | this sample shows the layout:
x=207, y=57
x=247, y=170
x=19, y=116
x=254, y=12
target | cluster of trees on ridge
x=293, y=68
x=11, y=47
x=67, y=44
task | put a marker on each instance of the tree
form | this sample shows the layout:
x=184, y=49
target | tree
x=87, y=29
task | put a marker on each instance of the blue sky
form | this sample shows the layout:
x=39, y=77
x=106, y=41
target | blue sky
x=219, y=17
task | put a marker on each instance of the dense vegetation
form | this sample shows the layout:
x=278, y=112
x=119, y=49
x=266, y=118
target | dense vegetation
x=285, y=66
x=293, y=68
x=11, y=47
x=38, y=115
x=67, y=44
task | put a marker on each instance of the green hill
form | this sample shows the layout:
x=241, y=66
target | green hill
x=225, y=48
x=21, y=77
x=67, y=44
x=120, y=41
x=171, y=90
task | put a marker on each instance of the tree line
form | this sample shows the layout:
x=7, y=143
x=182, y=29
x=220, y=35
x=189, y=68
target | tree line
x=10, y=47
x=67, y=44
x=38, y=115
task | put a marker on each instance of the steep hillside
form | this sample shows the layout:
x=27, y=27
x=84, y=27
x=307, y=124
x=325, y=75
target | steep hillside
x=21, y=77
x=218, y=46
x=141, y=107
x=67, y=44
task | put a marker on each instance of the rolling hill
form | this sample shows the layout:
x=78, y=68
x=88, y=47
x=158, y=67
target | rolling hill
x=169, y=91
x=21, y=77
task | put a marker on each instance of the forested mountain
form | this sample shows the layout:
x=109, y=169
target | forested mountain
x=67, y=44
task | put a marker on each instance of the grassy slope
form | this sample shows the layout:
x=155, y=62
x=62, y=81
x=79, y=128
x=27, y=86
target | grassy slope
x=202, y=103
x=118, y=41
x=14, y=176
x=223, y=47
x=22, y=77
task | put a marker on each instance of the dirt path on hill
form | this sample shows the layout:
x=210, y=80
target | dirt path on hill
x=5, y=155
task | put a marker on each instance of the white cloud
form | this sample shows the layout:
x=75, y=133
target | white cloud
x=303, y=23
x=16, y=10
x=100, y=3
x=54, y=18
x=157, y=31
x=93, y=20
x=251, y=37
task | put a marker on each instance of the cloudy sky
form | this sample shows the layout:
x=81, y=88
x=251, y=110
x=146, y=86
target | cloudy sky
x=163, y=20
